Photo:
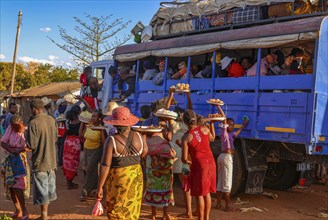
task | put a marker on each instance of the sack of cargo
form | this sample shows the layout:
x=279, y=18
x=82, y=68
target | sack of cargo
x=181, y=26
x=172, y=28
x=249, y=14
x=221, y=19
x=280, y=10
x=200, y=23
x=285, y=9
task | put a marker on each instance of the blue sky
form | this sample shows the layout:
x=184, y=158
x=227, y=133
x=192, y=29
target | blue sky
x=48, y=14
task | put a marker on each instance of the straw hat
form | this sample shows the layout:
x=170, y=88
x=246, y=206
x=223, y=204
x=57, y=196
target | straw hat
x=46, y=100
x=225, y=62
x=110, y=107
x=121, y=116
x=85, y=117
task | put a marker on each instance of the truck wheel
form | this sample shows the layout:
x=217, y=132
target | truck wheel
x=239, y=172
x=281, y=176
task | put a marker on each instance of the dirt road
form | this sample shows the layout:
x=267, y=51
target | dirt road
x=292, y=204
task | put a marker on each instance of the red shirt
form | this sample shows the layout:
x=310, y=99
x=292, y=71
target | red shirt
x=235, y=70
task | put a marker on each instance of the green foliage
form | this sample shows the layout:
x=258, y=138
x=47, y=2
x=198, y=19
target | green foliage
x=43, y=73
x=5, y=217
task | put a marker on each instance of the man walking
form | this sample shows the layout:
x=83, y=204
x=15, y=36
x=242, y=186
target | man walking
x=41, y=138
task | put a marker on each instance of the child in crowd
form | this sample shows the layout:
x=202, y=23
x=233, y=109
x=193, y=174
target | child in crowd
x=94, y=140
x=225, y=160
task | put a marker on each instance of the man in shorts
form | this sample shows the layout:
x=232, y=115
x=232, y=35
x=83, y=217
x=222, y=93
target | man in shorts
x=225, y=160
x=41, y=138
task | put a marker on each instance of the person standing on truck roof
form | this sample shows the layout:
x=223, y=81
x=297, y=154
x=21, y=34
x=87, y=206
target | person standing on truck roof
x=233, y=68
x=225, y=160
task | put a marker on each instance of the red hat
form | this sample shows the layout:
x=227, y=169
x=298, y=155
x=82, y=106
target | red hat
x=121, y=116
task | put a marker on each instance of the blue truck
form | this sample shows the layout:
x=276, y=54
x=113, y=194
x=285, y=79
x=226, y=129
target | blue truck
x=288, y=114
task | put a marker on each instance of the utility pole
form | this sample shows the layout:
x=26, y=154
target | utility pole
x=20, y=14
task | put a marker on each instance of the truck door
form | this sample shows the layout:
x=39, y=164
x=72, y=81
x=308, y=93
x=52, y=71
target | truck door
x=320, y=108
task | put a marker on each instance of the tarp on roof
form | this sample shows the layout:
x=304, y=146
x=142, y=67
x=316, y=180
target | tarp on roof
x=52, y=89
x=199, y=8
x=264, y=36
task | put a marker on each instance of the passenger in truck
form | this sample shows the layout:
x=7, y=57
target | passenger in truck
x=112, y=71
x=150, y=70
x=182, y=73
x=296, y=67
x=266, y=62
x=277, y=67
x=233, y=68
x=130, y=80
x=159, y=77
x=246, y=62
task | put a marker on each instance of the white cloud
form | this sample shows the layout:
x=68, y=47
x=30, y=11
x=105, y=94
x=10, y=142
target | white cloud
x=30, y=59
x=52, y=57
x=45, y=29
x=2, y=57
x=52, y=60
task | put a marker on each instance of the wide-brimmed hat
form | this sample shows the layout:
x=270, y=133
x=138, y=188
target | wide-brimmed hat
x=225, y=62
x=46, y=100
x=121, y=116
x=109, y=108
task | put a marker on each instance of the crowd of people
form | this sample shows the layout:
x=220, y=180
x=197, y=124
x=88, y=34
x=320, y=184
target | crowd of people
x=131, y=167
x=135, y=166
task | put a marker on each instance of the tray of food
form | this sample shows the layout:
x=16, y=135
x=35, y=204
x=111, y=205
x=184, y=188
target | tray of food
x=85, y=117
x=60, y=118
x=147, y=129
x=164, y=113
x=214, y=117
x=181, y=88
x=215, y=102
x=98, y=127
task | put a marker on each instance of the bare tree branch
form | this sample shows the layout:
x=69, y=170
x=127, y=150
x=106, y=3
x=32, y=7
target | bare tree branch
x=94, y=38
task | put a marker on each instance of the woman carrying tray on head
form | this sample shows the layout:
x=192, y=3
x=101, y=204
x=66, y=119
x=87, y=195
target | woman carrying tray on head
x=159, y=164
x=120, y=166
x=179, y=129
x=196, y=142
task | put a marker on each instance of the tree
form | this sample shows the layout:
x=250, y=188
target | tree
x=94, y=40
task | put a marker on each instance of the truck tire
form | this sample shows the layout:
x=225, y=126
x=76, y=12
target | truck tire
x=239, y=172
x=281, y=176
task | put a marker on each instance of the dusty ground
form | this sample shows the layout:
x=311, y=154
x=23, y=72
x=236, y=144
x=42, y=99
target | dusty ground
x=292, y=204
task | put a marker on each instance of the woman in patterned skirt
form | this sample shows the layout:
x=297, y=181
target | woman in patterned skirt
x=120, y=166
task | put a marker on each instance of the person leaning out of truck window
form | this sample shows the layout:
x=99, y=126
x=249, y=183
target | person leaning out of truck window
x=182, y=73
x=233, y=68
x=130, y=80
